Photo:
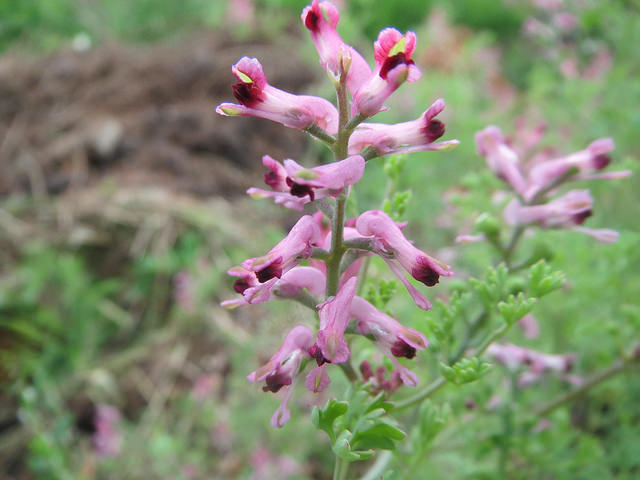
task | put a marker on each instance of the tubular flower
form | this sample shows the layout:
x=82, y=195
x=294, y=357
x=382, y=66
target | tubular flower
x=501, y=159
x=537, y=363
x=288, y=286
x=394, y=66
x=297, y=245
x=394, y=339
x=583, y=163
x=407, y=137
x=393, y=247
x=572, y=208
x=321, y=18
x=334, y=318
x=282, y=370
x=293, y=185
x=259, y=99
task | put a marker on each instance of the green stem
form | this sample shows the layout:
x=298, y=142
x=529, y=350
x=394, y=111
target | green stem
x=337, y=247
x=377, y=469
x=320, y=134
x=577, y=392
x=340, y=469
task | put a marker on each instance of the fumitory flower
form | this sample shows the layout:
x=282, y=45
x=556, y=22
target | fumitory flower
x=392, y=246
x=334, y=318
x=567, y=211
x=259, y=99
x=394, y=339
x=321, y=18
x=501, y=158
x=394, y=66
x=293, y=185
x=288, y=286
x=407, y=137
x=297, y=245
x=583, y=164
x=282, y=370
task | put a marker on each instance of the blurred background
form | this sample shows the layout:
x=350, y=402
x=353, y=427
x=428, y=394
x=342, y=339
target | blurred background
x=122, y=205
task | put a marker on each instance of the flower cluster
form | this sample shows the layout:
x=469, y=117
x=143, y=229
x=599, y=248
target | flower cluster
x=536, y=363
x=319, y=262
x=537, y=181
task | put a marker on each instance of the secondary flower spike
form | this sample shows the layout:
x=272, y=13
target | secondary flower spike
x=407, y=137
x=394, y=66
x=321, y=18
x=259, y=99
x=394, y=339
x=296, y=246
x=392, y=246
x=282, y=370
x=293, y=185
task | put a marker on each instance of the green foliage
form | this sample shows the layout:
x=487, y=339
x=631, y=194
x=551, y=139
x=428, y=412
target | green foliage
x=543, y=279
x=359, y=425
x=379, y=295
x=397, y=205
x=515, y=308
x=466, y=370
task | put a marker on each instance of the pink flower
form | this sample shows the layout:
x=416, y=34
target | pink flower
x=296, y=246
x=537, y=363
x=394, y=66
x=334, y=318
x=572, y=208
x=408, y=137
x=529, y=326
x=594, y=158
x=394, y=339
x=501, y=159
x=393, y=247
x=282, y=370
x=259, y=99
x=288, y=286
x=293, y=185
x=321, y=18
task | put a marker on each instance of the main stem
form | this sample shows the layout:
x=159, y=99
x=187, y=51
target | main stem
x=340, y=151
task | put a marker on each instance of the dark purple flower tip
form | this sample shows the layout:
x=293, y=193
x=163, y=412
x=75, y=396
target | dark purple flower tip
x=275, y=381
x=601, y=161
x=311, y=20
x=433, y=130
x=248, y=94
x=579, y=218
x=392, y=62
x=316, y=353
x=272, y=179
x=298, y=190
x=241, y=285
x=273, y=269
x=366, y=370
x=402, y=349
x=424, y=273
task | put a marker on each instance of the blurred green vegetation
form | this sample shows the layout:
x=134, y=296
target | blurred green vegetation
x=77, y=329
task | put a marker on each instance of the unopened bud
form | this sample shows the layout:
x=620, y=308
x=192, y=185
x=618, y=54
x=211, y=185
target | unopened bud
x=344, y=60
x=488, y=225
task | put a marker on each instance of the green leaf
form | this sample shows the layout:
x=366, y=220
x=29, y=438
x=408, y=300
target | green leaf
x=324, y=418
x=515, y=308
x=466, y=370
x=543, y=280
x=380, y=436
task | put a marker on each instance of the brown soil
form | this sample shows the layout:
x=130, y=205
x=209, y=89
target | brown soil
x=143, y=115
